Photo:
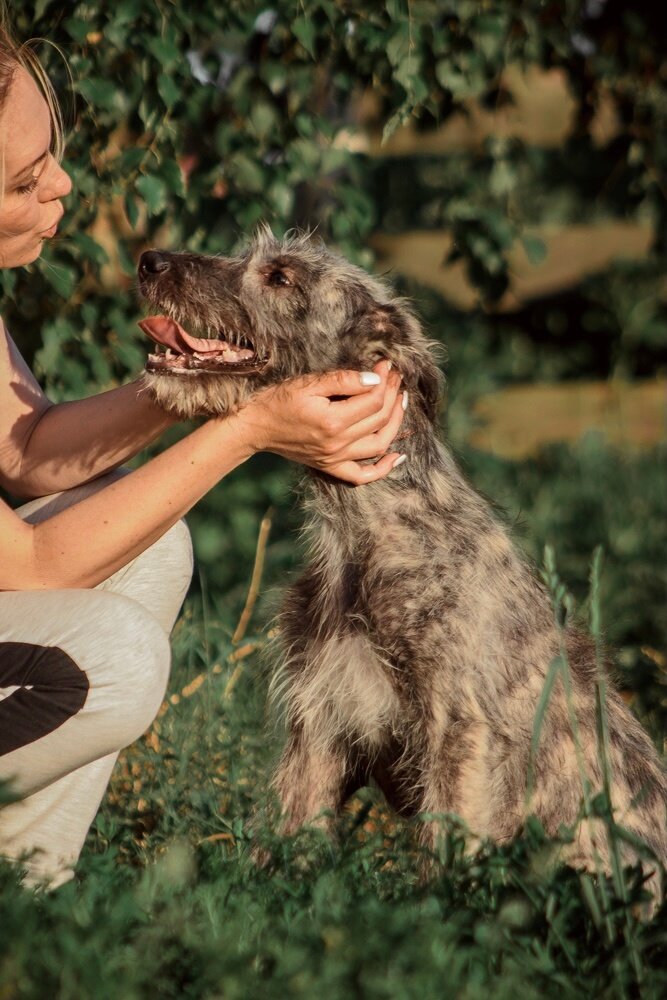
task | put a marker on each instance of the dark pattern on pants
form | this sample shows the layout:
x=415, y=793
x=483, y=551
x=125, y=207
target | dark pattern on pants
x=50, y=689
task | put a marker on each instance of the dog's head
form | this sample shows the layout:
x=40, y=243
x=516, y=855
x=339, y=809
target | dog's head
x=231, y=325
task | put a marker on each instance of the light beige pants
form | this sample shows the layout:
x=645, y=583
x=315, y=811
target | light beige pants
x=117, y=634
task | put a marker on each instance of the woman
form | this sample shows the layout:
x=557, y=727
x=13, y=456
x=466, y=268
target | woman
x=93, y=576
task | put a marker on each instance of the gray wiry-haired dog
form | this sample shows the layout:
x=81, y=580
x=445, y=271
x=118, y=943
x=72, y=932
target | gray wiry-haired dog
x=417, y=640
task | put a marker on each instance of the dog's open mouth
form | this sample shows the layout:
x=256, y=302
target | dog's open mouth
x=188, y=355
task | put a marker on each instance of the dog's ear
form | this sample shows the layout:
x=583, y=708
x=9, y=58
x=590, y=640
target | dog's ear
x=390, y=330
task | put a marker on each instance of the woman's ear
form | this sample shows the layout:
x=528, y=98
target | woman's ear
x=391, y=331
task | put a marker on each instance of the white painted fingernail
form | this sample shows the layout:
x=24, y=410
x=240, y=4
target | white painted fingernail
x=399, y=461
x=404, y=403
x=369, y=378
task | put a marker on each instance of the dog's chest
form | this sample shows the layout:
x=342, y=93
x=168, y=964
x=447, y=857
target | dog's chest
x=347, y=691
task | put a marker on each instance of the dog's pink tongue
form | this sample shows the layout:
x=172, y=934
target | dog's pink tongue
x=169, y=333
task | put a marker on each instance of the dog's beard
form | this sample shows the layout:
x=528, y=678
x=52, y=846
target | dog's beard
x=198, y=394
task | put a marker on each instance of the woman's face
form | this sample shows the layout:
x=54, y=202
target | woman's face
x=34, y=182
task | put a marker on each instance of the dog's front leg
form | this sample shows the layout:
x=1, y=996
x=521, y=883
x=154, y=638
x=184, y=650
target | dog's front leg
x=455, y=780
x=311, y=782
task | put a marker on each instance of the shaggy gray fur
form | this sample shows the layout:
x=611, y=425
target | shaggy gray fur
x=417, y=640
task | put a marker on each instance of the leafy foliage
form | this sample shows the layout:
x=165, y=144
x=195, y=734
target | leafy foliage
x=201, y=121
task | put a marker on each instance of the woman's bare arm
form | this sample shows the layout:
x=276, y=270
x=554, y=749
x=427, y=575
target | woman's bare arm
x=84, y=544
x=72, y=443
x=46, y=447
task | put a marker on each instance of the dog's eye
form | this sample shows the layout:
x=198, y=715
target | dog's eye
x=278, y=278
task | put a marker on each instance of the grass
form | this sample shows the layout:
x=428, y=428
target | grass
x=167, y=902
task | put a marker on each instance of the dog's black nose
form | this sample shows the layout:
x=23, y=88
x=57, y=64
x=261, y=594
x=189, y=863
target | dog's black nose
x=153, y=262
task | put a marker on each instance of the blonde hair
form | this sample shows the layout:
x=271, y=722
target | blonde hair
x=15, y=55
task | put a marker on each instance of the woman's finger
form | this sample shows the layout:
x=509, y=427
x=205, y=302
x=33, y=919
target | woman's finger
x=359, y=475
x=374, y=408
x=377, y=421
x=343, y=383
x=376, y=444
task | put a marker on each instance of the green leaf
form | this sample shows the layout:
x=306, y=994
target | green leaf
x=153, y=191
x=274, y=75
x=590, y=898
x=305, y=155
x=148, y=112
x=168, y=89
x=62, y=278
x=398, y=46
x=165, y=50
x=128, y=10
x=130, y=159
x=553, y=672
x=502, y=179
x=395, y=121
x=536, y=249
x=90, y=249
x=304, y=31
x=99, y=363
x=172, y=175
x=99, y=92
x=40, y=7
x=263, y=118
x=8, y=282
x=246, y=173
x=126, y=260
x=77, y=29
x=490, y=35
x=281, y=199
x=131, y=209
x=458, y=81
x=54, y=337
x=334, y=159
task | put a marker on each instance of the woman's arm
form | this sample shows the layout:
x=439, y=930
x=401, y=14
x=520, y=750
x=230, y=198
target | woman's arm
x=46, y=447
x=84, y=544
x=71, y=443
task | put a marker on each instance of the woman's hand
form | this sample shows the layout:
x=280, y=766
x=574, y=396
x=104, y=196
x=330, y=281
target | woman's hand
x=331, y=422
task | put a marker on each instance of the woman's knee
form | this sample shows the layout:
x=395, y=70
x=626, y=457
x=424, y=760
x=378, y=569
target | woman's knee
x=178, y=541
x=129, y=677
x=159, y=577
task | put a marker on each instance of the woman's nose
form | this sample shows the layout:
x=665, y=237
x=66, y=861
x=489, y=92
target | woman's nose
x=56, y=184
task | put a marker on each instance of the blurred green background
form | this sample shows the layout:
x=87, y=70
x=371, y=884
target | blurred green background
x=503, y=162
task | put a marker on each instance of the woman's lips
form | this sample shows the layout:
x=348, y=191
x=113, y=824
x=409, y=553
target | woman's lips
x=48, y=233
